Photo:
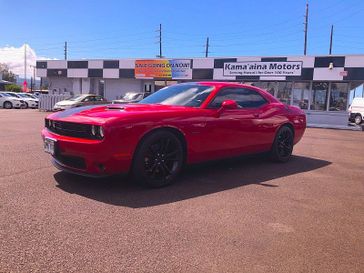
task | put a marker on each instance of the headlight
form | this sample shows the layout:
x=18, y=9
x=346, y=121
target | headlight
x=101, y=131
x=97, y=131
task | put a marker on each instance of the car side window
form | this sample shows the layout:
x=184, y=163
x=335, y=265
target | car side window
x=98, y=98
x=245, y=98
x=89, y=99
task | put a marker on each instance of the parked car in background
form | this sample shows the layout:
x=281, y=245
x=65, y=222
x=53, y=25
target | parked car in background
x=356, y=111
x=130, y=97
x=79, y=100
x=180, y=124
x=29, y=102
x=9, y=102
x=31, y=96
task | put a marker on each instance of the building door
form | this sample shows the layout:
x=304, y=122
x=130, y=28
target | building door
x=319, y=96
x=301, y=94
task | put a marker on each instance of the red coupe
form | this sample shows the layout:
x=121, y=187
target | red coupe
x=180, y=124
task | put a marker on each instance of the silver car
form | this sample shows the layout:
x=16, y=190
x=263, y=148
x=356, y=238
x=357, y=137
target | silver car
x=130, y=97
x=80, y=100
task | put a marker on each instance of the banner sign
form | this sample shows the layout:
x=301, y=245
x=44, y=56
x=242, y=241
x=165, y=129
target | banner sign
x=163, y=69
x=263, y=69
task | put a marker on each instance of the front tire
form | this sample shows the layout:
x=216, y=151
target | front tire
x=358, y=119
x=283, y=145
x=158, y=159
x=8, y=105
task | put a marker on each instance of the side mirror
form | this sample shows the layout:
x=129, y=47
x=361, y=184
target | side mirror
x=229, y=105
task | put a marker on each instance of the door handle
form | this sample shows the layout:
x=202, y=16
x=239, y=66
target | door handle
x=256, y=115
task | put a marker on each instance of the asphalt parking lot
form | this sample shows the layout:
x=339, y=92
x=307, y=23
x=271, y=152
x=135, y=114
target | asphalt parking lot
x=244, y=215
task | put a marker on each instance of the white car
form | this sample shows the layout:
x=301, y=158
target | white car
x=29, y=102
x=356, y=111
x=8, y=102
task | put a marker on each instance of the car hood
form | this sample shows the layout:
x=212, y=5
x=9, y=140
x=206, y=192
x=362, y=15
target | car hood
x=101, y=114
x=66, y=102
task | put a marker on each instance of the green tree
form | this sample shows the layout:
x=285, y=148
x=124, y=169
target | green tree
x=12, y=88
x=7, y=74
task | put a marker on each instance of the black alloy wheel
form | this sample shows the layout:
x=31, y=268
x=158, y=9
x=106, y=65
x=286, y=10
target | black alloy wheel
x=158, y=159
x=283, y=145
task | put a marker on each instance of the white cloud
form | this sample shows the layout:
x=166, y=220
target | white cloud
x=14, y=58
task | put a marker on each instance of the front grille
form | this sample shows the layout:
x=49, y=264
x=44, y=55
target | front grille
x=72, y=161
x=72, y=129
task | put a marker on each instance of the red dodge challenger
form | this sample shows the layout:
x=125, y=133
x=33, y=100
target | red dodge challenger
x=180, y=124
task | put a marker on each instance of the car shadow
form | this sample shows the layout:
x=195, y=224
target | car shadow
x=196, y=180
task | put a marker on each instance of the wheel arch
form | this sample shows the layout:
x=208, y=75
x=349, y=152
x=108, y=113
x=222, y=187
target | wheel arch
x=176, y=131
x=289, y=125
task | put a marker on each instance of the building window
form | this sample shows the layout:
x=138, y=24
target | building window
x=284, y=92
x=268, y=86
x=356, y=90
x=319, y=95
x=301, y=94
x=338, y=96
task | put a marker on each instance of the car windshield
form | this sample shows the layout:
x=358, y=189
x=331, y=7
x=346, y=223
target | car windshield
x=192, y=95
x=78, y=98
x=23, y=96
x=5, y=95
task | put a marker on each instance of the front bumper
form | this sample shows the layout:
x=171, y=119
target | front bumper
x=61, y=107
x=352, y=117
x=87, y=157
x=18, y=104
x=60, y=166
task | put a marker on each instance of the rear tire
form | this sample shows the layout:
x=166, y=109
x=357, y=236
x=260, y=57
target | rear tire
x=158, y=159
x=8, y=105
x=283, y=145
x=358, y=119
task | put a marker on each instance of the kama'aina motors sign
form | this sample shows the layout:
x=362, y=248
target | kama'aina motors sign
x=262, y=69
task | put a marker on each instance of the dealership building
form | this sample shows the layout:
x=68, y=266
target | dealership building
x=323, y=86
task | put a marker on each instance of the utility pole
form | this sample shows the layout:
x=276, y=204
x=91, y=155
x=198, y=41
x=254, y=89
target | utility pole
x=65, y=50
x=25, y=62
x=207, y=48
x=331, y=34
x=160, y=41
x=306, y=25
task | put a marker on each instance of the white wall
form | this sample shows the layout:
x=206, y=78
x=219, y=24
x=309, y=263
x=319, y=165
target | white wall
x=61, y=84
x=116, y=88
x=76, y=86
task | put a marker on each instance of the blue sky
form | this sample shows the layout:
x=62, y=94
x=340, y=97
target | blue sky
x=113, y=29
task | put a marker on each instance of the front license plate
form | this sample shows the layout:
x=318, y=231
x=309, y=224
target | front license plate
x=49, y=145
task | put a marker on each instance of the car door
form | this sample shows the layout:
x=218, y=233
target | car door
x=237, y=131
